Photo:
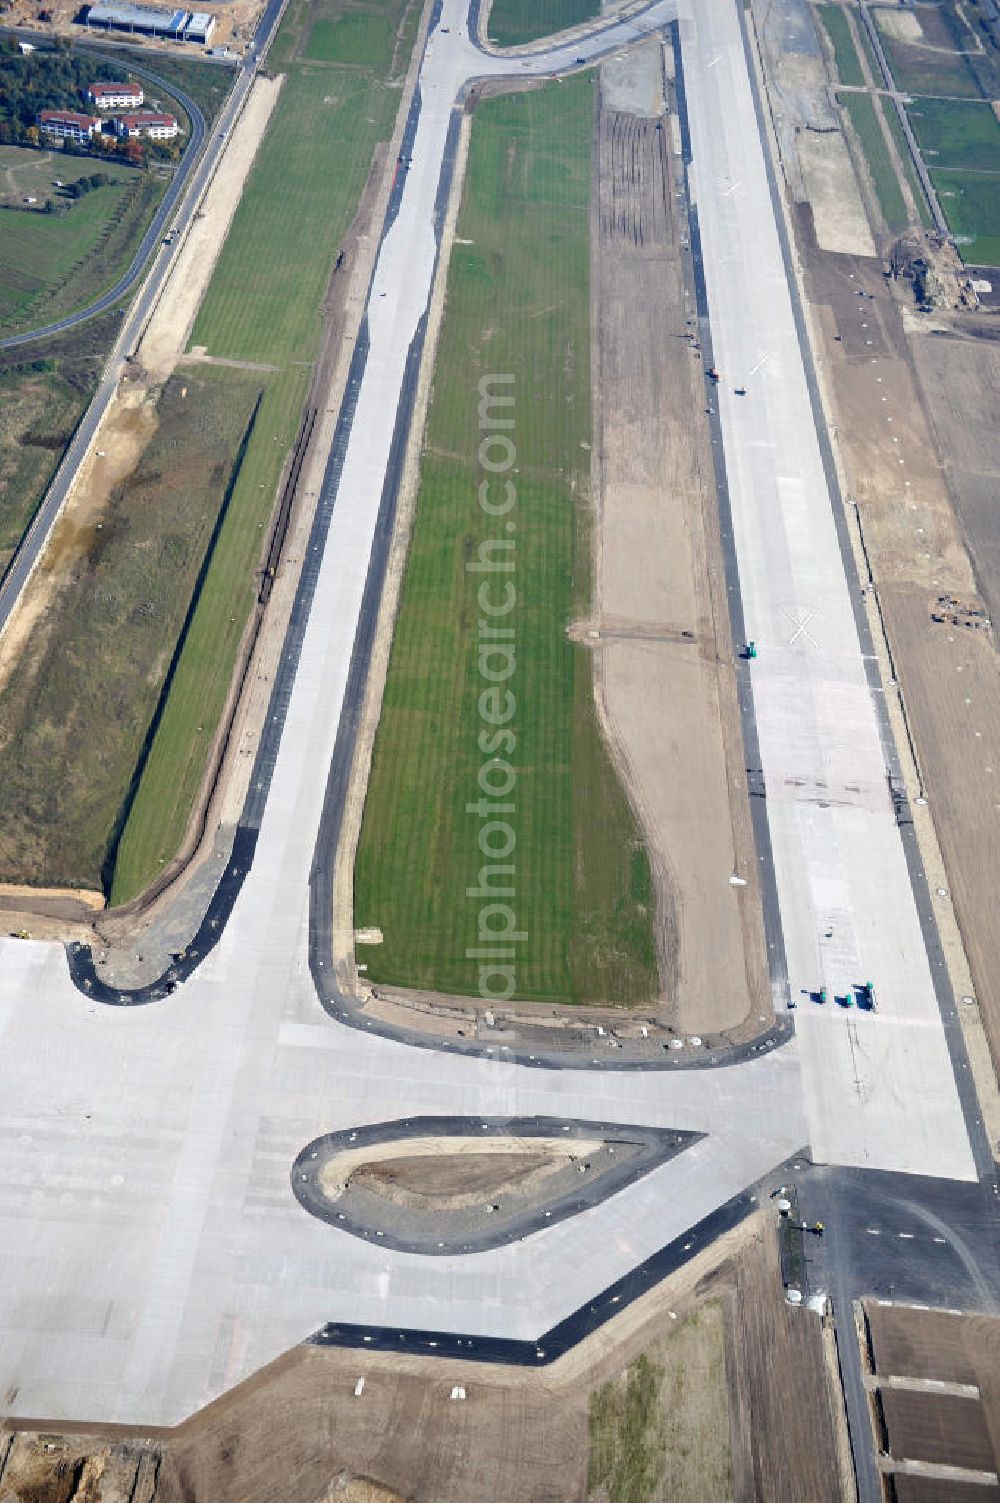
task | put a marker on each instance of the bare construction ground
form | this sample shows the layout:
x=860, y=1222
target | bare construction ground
x=665, y=663
x=935, y=1399
x=740, y=1392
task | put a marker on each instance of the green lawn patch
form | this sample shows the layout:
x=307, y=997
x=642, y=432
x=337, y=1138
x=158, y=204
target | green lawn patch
x=363, y=39
x=971, y=203
x=880, y=164
x=837, y=29
x=902, y=146
x=53, y=264
x=513, y=22
x=264, y=300
x=518, y=303
x=956, y=135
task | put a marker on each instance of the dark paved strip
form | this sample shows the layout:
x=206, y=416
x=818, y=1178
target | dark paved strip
x=568, y=1333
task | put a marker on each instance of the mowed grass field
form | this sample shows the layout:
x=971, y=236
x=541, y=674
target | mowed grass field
x=518, y=303
x=50, y=265
x=264, y=304
x=303, y=191
x=513, y=22
x=961, y=146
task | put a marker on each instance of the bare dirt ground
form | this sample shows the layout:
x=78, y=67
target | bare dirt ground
x=838, y=213
x=935, y=1393
x=446, y=1168
x=297, y=1430
x=663, y=653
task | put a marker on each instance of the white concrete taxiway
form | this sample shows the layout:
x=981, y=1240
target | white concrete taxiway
x=151, y=1251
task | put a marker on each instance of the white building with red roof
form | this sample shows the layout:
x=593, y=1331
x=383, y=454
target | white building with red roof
x=147, y=123
x=115, y=96
x=63, y=125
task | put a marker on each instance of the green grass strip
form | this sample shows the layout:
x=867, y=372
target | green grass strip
x=518, y=304
x=514, y=22
x=902, y=146
x=848, y=66
x=197, y=694
x=971, y=204
x=880, y=164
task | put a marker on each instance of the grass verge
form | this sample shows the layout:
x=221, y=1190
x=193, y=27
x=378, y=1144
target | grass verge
x=952, y=134
x=661, y=1430
x=171, y=766
x=514, y=22
x=263, y=304
x=518, y=303
x=880, y=164
x=848, y=66
x=51, y=265
x=902, y=147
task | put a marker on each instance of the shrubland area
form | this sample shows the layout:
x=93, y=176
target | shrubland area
x=518, y=302
x=123, y=687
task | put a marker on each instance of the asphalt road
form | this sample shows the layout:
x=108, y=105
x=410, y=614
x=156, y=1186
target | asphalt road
x=177, y=209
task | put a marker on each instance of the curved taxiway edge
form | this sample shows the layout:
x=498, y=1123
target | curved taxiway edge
x=343, y=1008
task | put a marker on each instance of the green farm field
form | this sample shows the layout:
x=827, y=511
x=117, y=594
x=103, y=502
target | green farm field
x=837, y=29
x=869, y=133
x=518, y=302
x=50, y=265
x=513, y=22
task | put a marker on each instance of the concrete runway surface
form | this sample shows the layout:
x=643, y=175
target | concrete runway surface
x=152, y=1253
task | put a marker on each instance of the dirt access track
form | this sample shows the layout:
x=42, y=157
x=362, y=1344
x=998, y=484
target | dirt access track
x=325, y=1425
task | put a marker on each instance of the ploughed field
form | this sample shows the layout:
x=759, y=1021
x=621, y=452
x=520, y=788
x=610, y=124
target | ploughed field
x=493, y=807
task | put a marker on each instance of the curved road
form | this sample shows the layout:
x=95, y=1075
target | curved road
x=180, y=204
x=129, y=277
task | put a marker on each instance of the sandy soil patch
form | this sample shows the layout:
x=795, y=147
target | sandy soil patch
x=832, y=189
x=664, y=658
x=166, y=333
x=901, y=25
x=458, y=1164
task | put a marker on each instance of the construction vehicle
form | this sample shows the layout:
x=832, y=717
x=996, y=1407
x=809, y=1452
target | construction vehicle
x=750, y=651
x=713, y=374
x=868, y=996
x=822, y=994
x=740, y=391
